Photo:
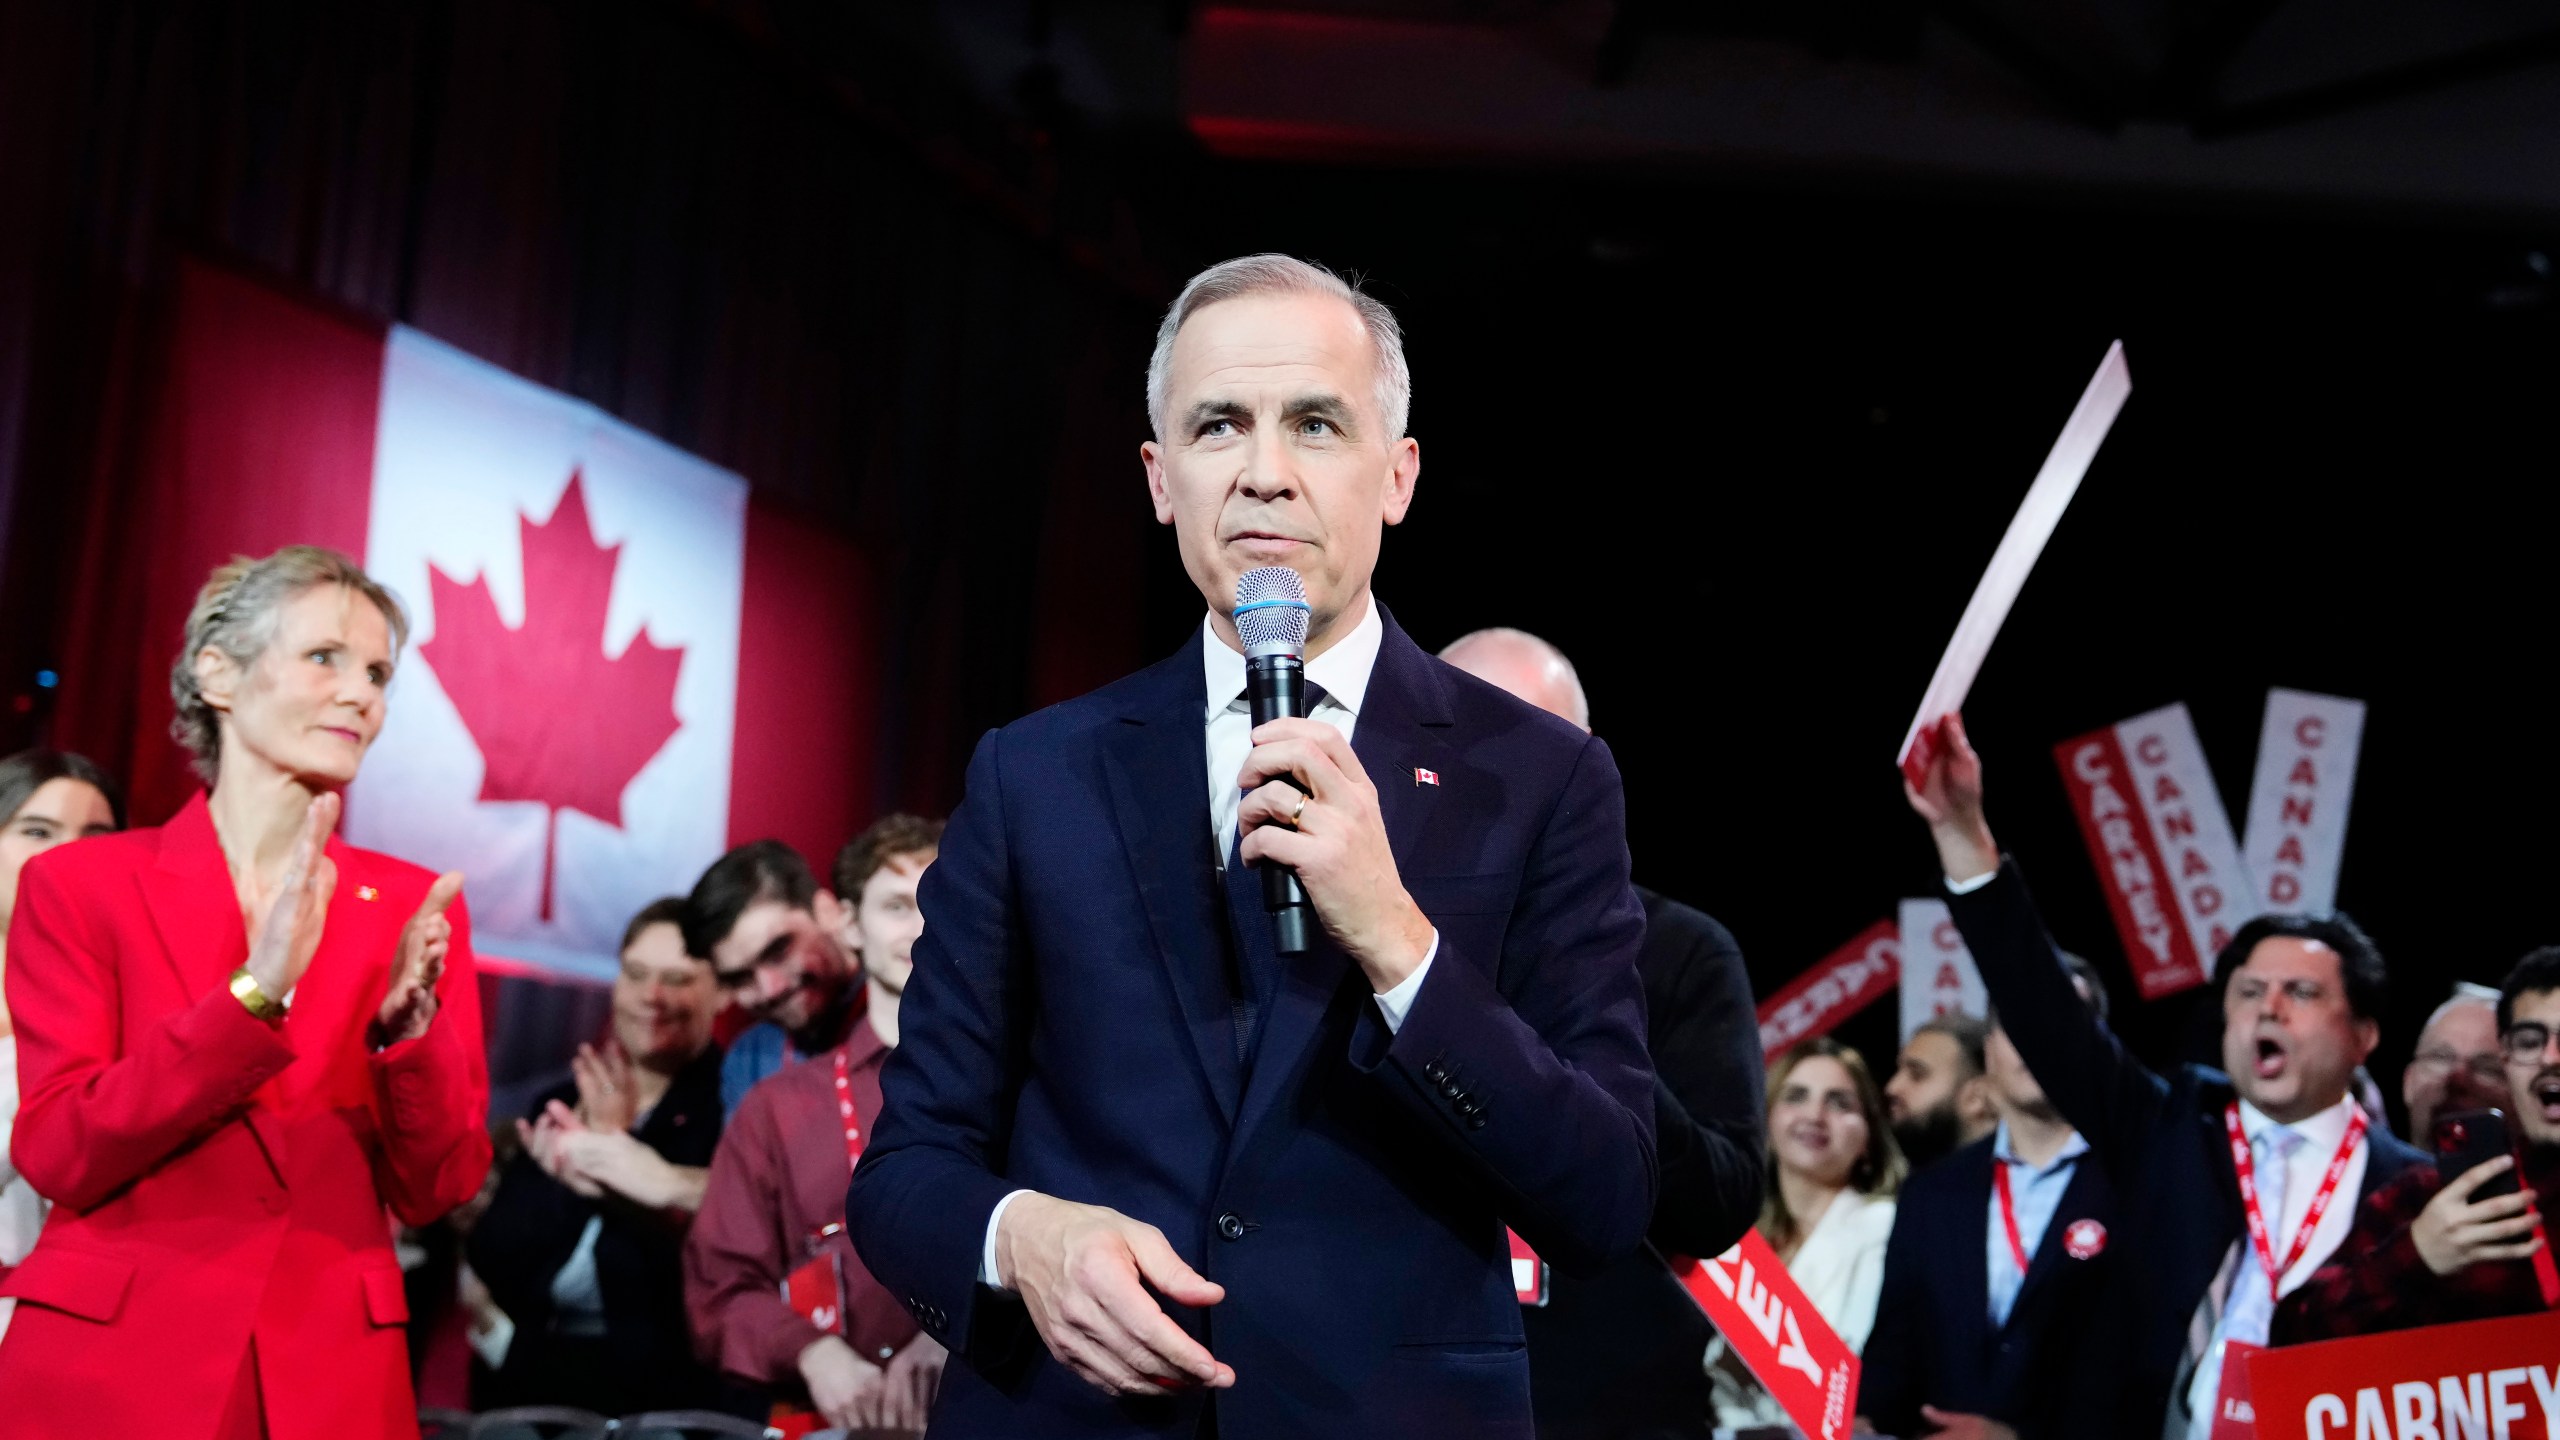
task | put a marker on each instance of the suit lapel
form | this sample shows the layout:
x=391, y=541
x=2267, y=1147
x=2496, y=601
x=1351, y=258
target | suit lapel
x=1160, y=795
x=196, y=911
x=192, y=903
x=1401, y=723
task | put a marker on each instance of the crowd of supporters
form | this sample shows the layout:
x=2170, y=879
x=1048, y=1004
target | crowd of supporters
x=2026, y=1231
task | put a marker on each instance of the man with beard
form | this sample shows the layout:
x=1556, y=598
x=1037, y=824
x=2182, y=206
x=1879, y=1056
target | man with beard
x=776, y=942
x=2205, y=1257
x=1937, y=1096
x=775, y=1204
x=2428, y=1253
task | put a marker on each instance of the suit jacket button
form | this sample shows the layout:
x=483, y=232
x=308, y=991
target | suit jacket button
x=1434, y=1071
x=1470, y=1106
x=1449, y=1087
x=1231, y=1225
x=1476, y=1121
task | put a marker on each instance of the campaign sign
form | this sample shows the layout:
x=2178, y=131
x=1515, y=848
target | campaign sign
x=1938, y=974
x=2487, y=1380
x=2298, y=804
x=2162, y=844
x=1838, y=986
x=1775, y=1331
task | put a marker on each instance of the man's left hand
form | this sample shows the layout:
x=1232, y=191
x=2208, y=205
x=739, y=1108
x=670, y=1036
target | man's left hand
x=1954, y=1425
x=1337, y=844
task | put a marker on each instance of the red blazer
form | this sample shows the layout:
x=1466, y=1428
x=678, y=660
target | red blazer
x=216, y=1181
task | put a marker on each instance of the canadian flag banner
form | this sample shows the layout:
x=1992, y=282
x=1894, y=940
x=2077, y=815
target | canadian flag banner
x=1775, y=1331
x=564, y=730
x=1938, y=973
x=619, y=663
x=2298, y=803
x=2156, y=829
x=1834, y=988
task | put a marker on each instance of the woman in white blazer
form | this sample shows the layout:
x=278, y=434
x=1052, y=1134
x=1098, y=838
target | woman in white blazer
x=1833, y=1171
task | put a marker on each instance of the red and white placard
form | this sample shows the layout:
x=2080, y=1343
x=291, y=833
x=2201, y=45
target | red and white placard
x=1938, y=974
x=2162, y=844
x=1836, y=987
x=2024, y=540
x=2298, y=804
x=1774, y=1330
x=2487, y=1380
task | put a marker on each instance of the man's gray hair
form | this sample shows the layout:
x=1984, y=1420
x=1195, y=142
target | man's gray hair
x=1272, y=274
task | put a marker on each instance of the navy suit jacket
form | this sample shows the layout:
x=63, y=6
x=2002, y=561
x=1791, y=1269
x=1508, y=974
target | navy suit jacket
x=2162, y=1141
x=1069, y=1029
x=1934, y=1343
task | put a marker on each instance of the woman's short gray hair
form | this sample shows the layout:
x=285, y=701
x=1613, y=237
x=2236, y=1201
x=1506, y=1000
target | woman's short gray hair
x=238, y=612
x=1272, y=274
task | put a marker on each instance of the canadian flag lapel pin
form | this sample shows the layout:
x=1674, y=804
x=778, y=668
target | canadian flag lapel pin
x=1425, y=777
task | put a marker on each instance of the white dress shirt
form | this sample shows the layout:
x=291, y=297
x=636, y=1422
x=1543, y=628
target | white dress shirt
x=1342, y=671
x=2321, y=1135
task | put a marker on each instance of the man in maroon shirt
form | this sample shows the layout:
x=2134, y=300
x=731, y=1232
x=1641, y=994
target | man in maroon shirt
x=2427, y=1253
x=775, y=1199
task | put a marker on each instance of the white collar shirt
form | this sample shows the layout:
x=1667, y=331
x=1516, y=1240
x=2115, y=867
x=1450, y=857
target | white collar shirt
x=1343, y=672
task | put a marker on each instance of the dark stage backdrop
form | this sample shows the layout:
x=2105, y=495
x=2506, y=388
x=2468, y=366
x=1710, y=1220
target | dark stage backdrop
x=1744, y=455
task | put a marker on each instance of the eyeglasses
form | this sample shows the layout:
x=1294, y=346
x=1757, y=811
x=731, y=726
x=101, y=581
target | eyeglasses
x=2526, y=1043
x=2484, y=1068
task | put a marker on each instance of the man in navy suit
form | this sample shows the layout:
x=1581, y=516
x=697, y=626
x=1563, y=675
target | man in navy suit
x=2299, y=997
x=1998, y=1264
x=1141, y=1172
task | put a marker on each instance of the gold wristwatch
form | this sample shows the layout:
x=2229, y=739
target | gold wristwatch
x=244, y=988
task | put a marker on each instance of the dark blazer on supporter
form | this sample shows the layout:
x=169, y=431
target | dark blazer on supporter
x=1934, y=1343
x=2161, y=1141
x=1615, y=1353
x=532, y=1228
x=1070, y=1029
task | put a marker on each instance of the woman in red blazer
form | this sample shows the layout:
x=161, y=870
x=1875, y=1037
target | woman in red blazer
x=240, y=1041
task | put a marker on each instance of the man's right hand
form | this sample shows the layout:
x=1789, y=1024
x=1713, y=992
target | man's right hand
x=844, y=1387
x=1083, y=1271
x=1949, y=797
x=2455, y=1231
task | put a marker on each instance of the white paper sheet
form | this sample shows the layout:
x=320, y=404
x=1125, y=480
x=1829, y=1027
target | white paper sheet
x=2033, y=525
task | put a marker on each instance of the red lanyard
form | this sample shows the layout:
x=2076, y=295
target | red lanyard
x=2545, y=1273
x=844, y=1107
x=2008, y=1212
x=2320, y=1198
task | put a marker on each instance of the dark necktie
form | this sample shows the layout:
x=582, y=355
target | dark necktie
x=1257, y=970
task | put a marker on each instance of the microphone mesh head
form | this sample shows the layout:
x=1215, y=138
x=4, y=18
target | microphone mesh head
x=1272, y=611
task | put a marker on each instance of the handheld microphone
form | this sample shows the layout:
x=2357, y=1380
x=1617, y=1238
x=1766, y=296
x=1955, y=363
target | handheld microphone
x=1271, y=621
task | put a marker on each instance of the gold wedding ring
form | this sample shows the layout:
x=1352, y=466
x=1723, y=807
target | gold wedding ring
x=1301, y=810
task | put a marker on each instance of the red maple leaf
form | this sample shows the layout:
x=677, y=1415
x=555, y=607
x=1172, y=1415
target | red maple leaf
x=558, y=722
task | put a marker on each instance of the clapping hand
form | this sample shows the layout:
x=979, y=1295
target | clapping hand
x=607, y=1100
x=288, y=932
x=409, y=1005
x=546, y=1140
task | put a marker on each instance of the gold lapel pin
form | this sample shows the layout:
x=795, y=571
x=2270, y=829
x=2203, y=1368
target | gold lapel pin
x=367, y=892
